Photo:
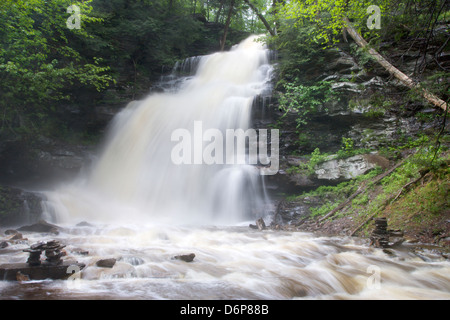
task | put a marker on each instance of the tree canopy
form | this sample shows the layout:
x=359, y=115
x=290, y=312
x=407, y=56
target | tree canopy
x=51, y=53
x=123, y=43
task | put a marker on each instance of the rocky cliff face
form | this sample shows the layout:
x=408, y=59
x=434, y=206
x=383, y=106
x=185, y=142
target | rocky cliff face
x=18, y=206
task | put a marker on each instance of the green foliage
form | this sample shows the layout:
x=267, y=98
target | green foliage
x=348, y=149
x=126, y=43
x=304, y=99
x=138, y=37
x=316, y=158
x=324, y=209
x=38, y=61
x=328, y=16
x=300, y=59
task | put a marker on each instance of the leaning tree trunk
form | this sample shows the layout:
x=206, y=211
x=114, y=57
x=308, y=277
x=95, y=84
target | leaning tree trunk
x=227, y=25
x=431, y=98
x=261, y=17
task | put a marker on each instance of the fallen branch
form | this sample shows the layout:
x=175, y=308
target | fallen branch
x=430, y=97
x=361, y=189
x=343, y=205
x=406, y=186
x=387, y=201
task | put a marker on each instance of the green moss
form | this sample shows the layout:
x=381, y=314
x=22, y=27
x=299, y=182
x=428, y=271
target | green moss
x=323, y=210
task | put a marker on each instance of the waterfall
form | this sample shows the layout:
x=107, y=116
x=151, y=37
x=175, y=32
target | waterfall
x=135, y=176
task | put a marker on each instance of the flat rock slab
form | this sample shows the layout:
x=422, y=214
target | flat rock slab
x=9, y=272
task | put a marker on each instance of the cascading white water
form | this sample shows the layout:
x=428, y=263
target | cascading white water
x=135, y=176
x=134, y=188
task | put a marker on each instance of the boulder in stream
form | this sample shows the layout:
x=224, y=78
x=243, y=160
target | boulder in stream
x=106, y=263
x=41, y=226
x=185, y=257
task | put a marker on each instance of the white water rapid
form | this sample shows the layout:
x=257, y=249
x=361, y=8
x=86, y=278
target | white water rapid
x=142, y=209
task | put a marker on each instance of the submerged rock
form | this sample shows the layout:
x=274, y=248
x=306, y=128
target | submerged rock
x=120, y=270
x=80, y=251
x=84, y=224
x=134, y=261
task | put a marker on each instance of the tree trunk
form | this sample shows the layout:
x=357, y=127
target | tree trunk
x=227, y=25
x=431, y=98
x=261, y=17
x=219, y=11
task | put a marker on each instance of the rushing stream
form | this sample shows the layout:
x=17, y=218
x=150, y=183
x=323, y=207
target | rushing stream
x=143, y=209
x=231, y=263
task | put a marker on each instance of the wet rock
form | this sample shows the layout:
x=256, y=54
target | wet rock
x=11, y=232
x=34, y=259
x=185, y=257
x=22, y=277
x=8, y=272
x=80, y=251
x=62, y=159
x=261, y=224
x=380, y=236
x=106, y=263
x=54, y=252
x=3, y=244
x=342, y=63
x=120, y=270
x=42, y=226
x=16, y=236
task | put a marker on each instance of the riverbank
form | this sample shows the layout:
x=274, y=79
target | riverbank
x=412, y=194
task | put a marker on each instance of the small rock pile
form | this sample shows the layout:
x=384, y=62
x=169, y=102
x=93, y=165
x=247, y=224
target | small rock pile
x=53, y=253
x=380, y=236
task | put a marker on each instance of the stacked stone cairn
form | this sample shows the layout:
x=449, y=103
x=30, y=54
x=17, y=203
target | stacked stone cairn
x=380, y=235
x=53, y=253
x=35, y=252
